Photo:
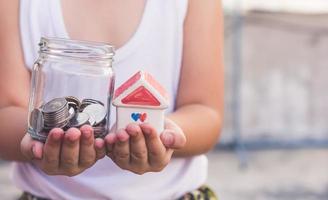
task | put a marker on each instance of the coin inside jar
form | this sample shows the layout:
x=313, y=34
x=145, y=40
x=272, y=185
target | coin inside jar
x=99, y=131
x=56, y=113
x=54, y=105
x=92, y=120
x=36, y=120
x=79, y=120
x=87, y=102
x=97, y=111
x=92, y=101
x=73, y=102
x=69, y=112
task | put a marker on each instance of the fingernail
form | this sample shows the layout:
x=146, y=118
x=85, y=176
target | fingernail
x=56, y=136
x=110, y=138
x=122, y=137
x=34, y=152
x=168, y=139
x=99, y=143
x=73, y=138
x=146, y=131
x=87, y=134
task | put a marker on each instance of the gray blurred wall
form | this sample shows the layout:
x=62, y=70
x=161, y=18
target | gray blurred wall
x=284, y=77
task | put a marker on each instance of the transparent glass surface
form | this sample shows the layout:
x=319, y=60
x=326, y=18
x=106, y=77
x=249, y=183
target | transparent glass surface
x=72, y=85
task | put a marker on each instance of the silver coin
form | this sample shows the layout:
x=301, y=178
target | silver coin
x=55, y=105
x=97, y=111
x=92, y=120
x=57, y=123
x=57, y=118
x=71, y=112
x=92, y=101
x=99, y=131
x=79, y=120
x=73, y=101
x=36, y=120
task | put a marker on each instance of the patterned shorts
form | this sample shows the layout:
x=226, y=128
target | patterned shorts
x=202, y=193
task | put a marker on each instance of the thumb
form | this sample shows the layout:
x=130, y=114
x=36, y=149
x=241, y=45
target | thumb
x=173, y=139
x=30, y=148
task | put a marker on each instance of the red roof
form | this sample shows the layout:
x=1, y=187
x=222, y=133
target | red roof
x=145, y=94
x=127, y=84
x=141, y=96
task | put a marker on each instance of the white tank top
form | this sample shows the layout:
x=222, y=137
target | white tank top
x=156, y=47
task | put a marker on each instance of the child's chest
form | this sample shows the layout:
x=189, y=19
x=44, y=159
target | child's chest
x=111, y=21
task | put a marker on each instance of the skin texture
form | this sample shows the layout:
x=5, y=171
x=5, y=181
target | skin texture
x=138, y=148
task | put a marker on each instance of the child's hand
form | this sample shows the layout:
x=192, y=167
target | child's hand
x=67, y=153
x=140, y=149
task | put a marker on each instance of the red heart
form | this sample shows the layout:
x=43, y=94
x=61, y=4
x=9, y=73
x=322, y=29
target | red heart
x=143, y=117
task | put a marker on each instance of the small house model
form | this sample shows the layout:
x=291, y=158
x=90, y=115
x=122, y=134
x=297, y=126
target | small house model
x=141, y=99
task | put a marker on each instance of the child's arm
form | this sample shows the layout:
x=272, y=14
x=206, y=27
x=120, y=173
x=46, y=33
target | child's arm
x=198, y=115
x=14, y=84
x=199, y=110
x=68, y=154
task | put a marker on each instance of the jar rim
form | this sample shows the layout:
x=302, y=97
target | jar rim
x=76, y=50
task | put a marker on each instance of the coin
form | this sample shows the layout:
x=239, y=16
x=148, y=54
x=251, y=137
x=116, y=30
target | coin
x=73, y=102
x=79, y=120
x=36, y=120
x=97, y=111
x=92, y=121
x=71, y=112
x=87, y=102
x=92, y=101
x=56, y=124
x=54, y=105
x=99, y=131
x=56, y=113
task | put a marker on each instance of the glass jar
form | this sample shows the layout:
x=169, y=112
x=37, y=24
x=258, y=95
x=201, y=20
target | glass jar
x=72, y=85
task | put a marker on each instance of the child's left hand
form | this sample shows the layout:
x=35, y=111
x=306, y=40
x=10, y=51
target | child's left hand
x=139, y=148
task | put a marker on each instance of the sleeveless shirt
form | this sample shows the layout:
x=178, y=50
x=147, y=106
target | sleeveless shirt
x=155, y=47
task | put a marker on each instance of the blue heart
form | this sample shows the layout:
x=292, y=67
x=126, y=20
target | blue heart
x=135, y=116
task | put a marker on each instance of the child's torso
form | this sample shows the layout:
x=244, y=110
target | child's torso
x=109, y=21
x=152, y=42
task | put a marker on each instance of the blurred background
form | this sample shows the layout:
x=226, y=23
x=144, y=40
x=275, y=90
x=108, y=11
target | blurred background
x=274, y=145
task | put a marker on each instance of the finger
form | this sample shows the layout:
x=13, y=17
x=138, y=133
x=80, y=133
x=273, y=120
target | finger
x=138, y=148
x=31, y=149
x=50, y=160
x=121, y=150
x=87, y=154
x=110, y=140
x=100, y=148
x=26, y=147
x=69, y=158
x=156, y=150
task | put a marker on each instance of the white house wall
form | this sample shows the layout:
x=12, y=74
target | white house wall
x=155, y=117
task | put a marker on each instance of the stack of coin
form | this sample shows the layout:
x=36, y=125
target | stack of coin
x=68, y=112
x=55, y=113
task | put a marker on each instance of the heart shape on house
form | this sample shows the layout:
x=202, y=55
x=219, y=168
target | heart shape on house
x=141, y=99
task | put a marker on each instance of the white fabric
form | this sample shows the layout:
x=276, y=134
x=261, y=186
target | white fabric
x=299, y=6
x=156, y=47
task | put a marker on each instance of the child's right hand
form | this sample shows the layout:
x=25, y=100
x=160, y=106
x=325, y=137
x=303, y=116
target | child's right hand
x=67, y=153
